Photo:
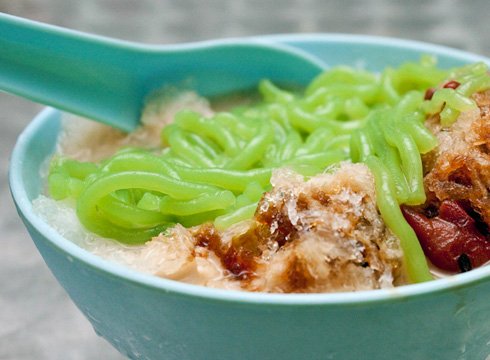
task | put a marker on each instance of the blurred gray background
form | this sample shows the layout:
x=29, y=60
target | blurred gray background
x=37, y=320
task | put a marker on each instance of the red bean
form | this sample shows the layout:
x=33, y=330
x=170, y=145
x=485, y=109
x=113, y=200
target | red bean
x=450, y=240
x=429, y=93
x=453, y=84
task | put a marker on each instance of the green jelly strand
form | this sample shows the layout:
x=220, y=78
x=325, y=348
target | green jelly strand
x=218, y=200
x=423, y=137
x=194, y=123
x=388, y=155
x=411, y=163
x=414, y=258
x=175, y=137
x=225, y=221
x=234, y=180
x=138, y=161
x=253, y=152
x=125, y=215
x=92, y=216
x=360, y=146
x=272, y=94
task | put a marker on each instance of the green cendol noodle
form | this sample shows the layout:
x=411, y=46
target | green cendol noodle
x=217, y=168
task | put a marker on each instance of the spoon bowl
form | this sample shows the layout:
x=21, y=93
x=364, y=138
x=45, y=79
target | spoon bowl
x=109, y=80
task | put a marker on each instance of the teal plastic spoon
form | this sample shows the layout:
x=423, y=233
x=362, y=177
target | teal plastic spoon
x=108, y=80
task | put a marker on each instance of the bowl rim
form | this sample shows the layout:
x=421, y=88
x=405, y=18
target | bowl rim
x=167, y=286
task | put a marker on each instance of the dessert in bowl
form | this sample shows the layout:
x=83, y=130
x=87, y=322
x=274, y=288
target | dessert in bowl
x=147, y=316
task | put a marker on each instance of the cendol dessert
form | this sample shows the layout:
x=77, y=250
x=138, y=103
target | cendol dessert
x=360, y=181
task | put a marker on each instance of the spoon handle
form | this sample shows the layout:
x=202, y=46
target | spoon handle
x=108, y=80
x=69, y=70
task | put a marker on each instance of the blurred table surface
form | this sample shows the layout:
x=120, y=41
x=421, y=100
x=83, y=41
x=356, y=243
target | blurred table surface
x=37, y=319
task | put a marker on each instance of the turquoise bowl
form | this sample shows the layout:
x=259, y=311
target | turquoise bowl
x=146, y=317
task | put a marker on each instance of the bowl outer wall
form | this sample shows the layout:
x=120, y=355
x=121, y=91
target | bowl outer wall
x=146, y=317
